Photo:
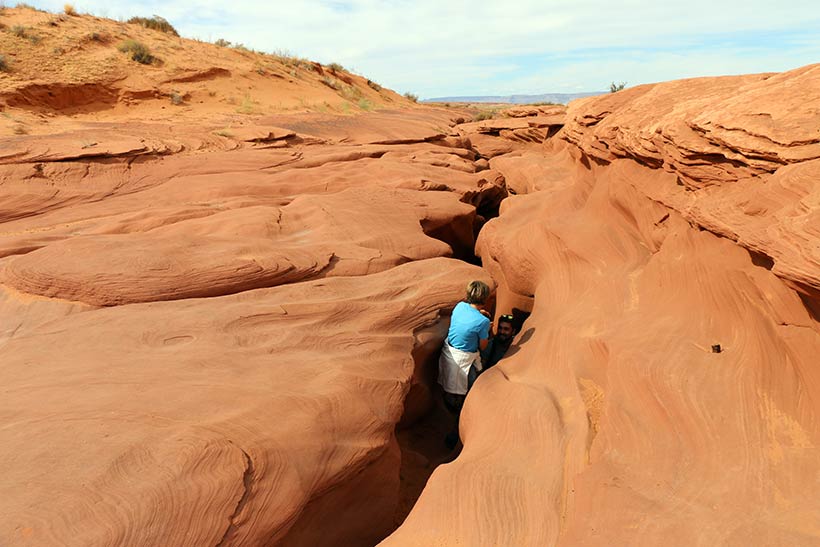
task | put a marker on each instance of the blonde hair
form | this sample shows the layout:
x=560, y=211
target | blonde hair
x=477, y=292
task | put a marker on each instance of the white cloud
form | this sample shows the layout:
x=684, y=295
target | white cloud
x=459, y=47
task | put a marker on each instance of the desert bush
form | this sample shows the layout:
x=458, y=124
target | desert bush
x=336, y=67
x=25, y=6
x=411, y=96
x=20, y=129
x=4, y=64
x=222, y=43
x=100, y=37
x=332, y=83
x=613, y=87
x=176, y=98
x=155, y=23
x=22, y=32
x=68, y=9
x=364, y=104
x=373, y=85
x=484, y=115
x=139, y=52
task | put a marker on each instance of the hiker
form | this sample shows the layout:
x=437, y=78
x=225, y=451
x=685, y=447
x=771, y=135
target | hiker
x=469, y=334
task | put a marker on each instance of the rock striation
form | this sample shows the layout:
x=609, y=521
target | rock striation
x=223, y=289
x=212, y=378
x=665, y=389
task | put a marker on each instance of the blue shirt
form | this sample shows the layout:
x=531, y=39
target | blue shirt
x=467, y=327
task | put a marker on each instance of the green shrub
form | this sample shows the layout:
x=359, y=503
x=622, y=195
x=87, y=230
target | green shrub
x=614, y=88
x=156, y=23
x=19, y=31
x=336, y=67
x=222, y=43
x=139, y=52
x=4, y=64
x=176, y=99
x=484, y=115
x=364, y=104
x=411, y=96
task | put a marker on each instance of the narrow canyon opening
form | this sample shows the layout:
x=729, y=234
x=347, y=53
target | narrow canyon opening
x=426, y=420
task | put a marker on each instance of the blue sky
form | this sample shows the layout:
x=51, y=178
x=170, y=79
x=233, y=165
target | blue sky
x=439, y=48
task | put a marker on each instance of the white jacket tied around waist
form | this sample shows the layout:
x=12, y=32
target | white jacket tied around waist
x=454, y=366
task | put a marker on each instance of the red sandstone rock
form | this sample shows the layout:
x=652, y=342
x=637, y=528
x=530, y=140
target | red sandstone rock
x=662, y=220
x=672, y=218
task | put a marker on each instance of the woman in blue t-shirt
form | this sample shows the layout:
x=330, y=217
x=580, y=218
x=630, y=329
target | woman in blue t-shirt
x=468, y=334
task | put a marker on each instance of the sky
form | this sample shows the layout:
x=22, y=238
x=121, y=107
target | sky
x=437, y=48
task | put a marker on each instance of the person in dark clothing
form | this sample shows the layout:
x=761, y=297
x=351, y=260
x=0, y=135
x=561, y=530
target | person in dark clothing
x=500, y=343
x=496, y=347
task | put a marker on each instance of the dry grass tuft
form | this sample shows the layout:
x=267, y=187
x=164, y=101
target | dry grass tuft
x=4, y=64
x=411, y=96
x=100, y=37
x=332, y=83
x=68, y=9
x=155, y=23
x=336, y=67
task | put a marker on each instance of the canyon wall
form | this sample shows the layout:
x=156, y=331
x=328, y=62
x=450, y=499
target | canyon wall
x=659, y=222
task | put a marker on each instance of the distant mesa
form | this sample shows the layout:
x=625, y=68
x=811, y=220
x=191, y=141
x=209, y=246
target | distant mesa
x=558, y=98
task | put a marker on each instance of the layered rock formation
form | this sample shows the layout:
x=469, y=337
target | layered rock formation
x=212, y=321
x=214, y=316
x=665, y=390
x=216, y=348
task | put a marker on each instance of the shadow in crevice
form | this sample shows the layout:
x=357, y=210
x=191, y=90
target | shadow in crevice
x=422, y=451
x=761, y=260
x=811, y=300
